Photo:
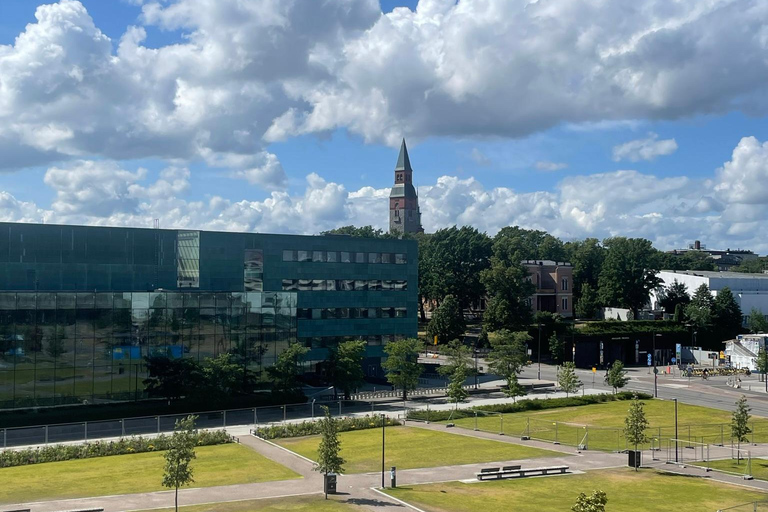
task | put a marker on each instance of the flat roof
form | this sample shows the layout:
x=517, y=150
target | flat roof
x=714, y=274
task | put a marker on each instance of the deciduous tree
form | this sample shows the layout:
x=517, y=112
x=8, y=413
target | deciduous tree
x=629, y=273
x=756, y=321
x=726, y=314
x=447, y=321
x=594, y=503
x=674, y=294
x=458, y=368
x=568, y=380
x=178, y=458
x=636, y=424
x=616, y=376
x=346, y=364
x=740, y=424
x=508, y=357
x=699, y=310
x=402, y=364
x=329, y=458
x=286, y=370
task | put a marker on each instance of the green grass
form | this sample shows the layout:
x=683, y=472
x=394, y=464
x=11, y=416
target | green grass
x=759, y=467
x=141, y=472
x=292, y=504
x=627, y=492
x=409, y=448
x=704, y=423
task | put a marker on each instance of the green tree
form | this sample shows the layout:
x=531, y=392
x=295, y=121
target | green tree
x=699, y=310
x=33, y=339
x=727, y=314
x=447, y=321
x=508, y=357
x=510, y=290
x=556, y=347
x=587, y=257
x=568, y=380
x=616, y=376
x=679, y=313
x=402, y=364
x=329, y=458
x=588, y=304
x=286, y=370
x=740, y=424
x=178, y=458
x=172, y=378
x=594, y=503
x=225, y=376
x=458, y=368
x=514, y=243
x=346, y=364
x=751, y=266
x=363, y=232
x=757, y=321
x=674, y=294
x=56, y=346
x=635, y=424
x=762, y=365
x=629, y=273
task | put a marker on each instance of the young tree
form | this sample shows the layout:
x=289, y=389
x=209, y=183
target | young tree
x=508, y=357
x=346, y=363
x=402, y=364
x=588, y=304
x=727, y=313
x=594, y=503
x=285, y=372
x=757, y=321
x=568, y=380
x=699, y=310
x=629, y=273
x=459, y=367
x=556, y=347
x=329, y=459
x=447, y=321
x=740, y=424
x=616, y=376
x=178, y=457
x=762, y=365
x=635, y=424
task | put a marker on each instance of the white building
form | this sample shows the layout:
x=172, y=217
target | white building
x=749, y=290
x=742, y=351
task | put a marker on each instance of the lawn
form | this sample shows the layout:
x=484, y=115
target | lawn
x=627, y=491
x=141, y=472
x=314, y=503
x=759, y=467
x=409, y=448
x=700, y=424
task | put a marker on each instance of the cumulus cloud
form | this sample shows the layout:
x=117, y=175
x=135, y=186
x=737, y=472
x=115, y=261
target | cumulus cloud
x=644, y=149
x=544, y=165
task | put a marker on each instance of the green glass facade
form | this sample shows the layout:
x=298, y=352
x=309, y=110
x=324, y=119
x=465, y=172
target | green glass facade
x=81, y=306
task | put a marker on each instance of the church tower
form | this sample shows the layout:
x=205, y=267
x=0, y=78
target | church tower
x=404, y=214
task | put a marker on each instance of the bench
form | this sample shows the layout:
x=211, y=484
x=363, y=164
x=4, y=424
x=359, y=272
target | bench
x=18, y=510
x=518, y=472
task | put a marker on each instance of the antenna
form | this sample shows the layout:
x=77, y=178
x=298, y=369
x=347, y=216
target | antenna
x=156, y=223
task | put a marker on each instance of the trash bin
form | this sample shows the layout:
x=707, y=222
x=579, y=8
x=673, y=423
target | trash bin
x=635, y=457
x=330, y=483
x=393, y=477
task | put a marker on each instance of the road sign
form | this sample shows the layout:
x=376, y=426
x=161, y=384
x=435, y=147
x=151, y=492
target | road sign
x=649, y=360
x=678, y=352
x=673, y=360
x=655, y=370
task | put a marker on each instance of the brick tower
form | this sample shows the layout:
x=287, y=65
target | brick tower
x=404, y=214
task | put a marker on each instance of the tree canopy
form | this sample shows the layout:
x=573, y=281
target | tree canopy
x=508, y=357
x=629, y=273
x=346, y=366
x=447, y=322
x=402, y=364
x=674, y=294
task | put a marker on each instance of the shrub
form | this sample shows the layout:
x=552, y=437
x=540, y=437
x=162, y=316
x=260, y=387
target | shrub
x=309, y=428
x=127, y=445
x=522, y=406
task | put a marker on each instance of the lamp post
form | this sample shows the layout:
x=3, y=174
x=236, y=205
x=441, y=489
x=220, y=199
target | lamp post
x=538, y=377
x=383, y=424
x=675, y=430
x=475, y=364
x=655, y=370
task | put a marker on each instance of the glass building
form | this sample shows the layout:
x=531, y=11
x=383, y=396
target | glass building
x=80, y=307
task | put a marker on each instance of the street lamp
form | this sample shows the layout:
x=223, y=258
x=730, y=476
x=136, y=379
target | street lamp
x=383, y=424
x=655, y=370
x=675, y=430
x=539, y=355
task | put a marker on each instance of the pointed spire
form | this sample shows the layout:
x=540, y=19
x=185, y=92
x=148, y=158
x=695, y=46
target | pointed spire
x=403, y=162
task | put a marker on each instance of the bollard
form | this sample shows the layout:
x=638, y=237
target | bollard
x=254, y=417
x=339, y=407
x=46, y=434
x=501, y=431
x=475, y=420
x=158, y=424
x=122, y=427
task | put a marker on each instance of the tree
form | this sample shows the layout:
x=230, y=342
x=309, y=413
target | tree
x=679, y=313
x=587, y=257
x=674, y=294
x=178, y=458
x=757, y=321
x=699, y=310
x=616, y=376
x=56, y=346
x=510, y=290
x=594, y=503
x=346, y=364
x=457, y=370
x=588, y=304
x=629, y=273
x=762, y=365
x=447, y=321
x=556, y=347
x=508, y=357
x=329, y=459
x=514, y=243
x=740, y=424
x=751, y=266
x=33, y=339
x=172, y=378
x=402, y=364
x=635, y=424
x=568, y=380
x=726, y=313
x=363, y=231
x=286, y=370
x=225, y=376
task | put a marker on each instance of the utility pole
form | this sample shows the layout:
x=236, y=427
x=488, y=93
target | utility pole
x=383, y=424
x=539, y=373
x=675, y=429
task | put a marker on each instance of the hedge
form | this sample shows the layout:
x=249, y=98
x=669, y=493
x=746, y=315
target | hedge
x=57, y=453
x=309, y=428
x=638, y=327
x=524, y=405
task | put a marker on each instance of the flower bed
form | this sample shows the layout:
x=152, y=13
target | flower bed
x=60, y=452
x=309, y=428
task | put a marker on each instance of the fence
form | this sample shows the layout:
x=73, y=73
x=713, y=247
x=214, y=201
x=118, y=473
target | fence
x=708, y=457
x=753, y=506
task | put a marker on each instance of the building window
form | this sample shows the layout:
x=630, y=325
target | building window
x=253, y=270
x=386, y=258
x=360, y=257
x=564, y=284
x=332, y=257
x=400, y=259
x=188, y=262
x=304, y=256
x=565, y=304
x=345, y=257
x=374, y=257
x=289, y=255
x=401, y=312
x=318, y=256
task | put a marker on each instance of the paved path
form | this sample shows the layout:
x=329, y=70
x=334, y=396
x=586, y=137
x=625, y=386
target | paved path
x=357, y=488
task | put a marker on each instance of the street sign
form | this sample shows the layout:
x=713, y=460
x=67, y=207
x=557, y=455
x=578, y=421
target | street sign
x=678, y=352
x=655, y=370
x=649, y=360
x=674, y=360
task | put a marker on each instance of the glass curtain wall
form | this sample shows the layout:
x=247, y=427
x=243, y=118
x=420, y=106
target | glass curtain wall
x=58, y=348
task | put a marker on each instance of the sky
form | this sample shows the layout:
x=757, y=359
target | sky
x=584, y=118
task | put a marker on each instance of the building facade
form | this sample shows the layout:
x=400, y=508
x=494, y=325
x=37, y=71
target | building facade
x=554, y=286
x=80, y=307
x=724, y=259
x=404, y=213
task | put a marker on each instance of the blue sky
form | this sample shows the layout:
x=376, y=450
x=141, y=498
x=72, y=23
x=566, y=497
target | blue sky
x=287, y=117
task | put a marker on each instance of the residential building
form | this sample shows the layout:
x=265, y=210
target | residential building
x=749, y=290
x=554, y=286
x=404, y=213
x=742, y=352
x=80, y=307
x=723, y=259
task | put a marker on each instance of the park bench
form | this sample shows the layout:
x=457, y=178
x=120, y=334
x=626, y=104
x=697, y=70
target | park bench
x=18, y=510
x=84, y=510
x=518, y=472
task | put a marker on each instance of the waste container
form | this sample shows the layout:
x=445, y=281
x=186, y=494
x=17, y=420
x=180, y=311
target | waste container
x=330, y=483
x=393, y=477
x=635, y=457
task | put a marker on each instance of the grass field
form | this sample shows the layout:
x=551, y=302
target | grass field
x=759, y=467
x=314, y=503
x=627, y=492
x=142, y=472
x=702, y=424
x=409, y=448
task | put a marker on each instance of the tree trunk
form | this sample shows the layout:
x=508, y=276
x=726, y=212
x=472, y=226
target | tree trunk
x=405, y=394
x=421, y=309
x=176, y=499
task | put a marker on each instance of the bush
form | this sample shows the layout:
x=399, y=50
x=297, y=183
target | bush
x=309, y=428
x=57, y=453
x=523, y=405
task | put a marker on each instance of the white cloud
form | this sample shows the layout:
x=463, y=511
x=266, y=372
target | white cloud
x=543, y=165
x=479, y=157
x=744, y=179
x=644, y=149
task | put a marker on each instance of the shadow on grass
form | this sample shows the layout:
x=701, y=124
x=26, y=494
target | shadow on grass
x=369, y=502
